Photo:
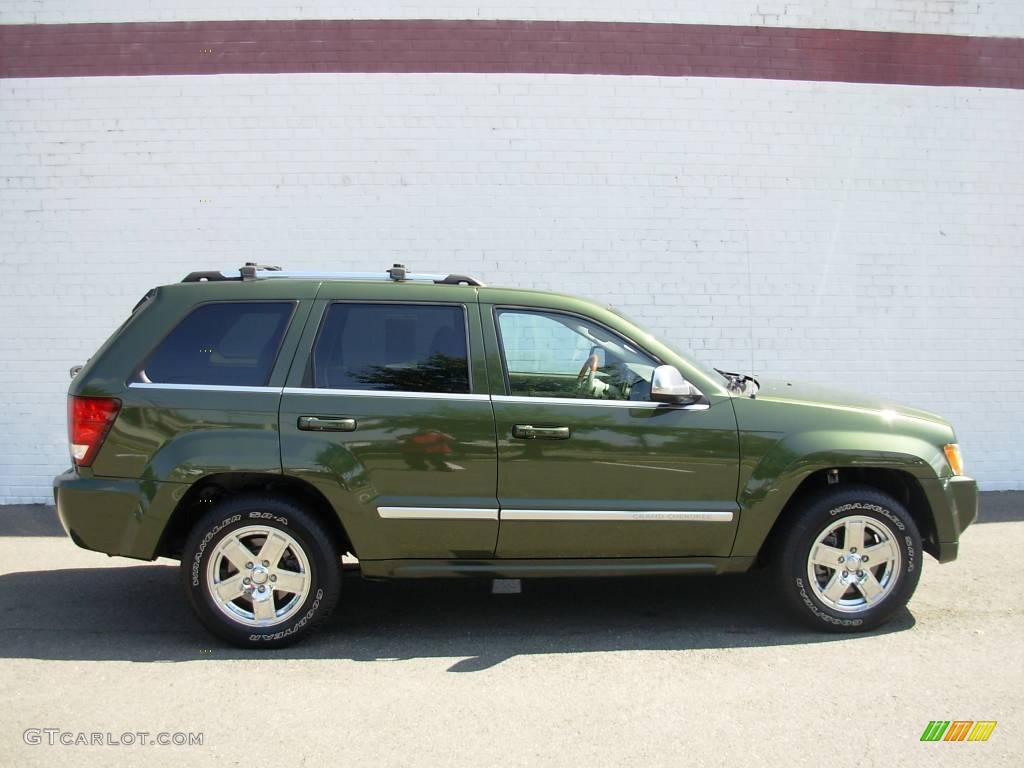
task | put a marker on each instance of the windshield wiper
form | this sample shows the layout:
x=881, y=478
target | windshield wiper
x=738, y=381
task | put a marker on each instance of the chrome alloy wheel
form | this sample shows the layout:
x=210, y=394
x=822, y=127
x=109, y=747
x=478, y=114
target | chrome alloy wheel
x=258, y=576
x=854, y=564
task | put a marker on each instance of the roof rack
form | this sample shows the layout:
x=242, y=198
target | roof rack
x=398, y=274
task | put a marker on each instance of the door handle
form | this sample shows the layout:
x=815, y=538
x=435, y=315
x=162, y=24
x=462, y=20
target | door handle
x=530, y=432
x=320, y=424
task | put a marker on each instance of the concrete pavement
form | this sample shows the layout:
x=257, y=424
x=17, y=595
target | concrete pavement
x=651, y=672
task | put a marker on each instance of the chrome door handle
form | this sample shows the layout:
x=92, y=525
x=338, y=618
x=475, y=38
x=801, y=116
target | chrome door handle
x=321, y=424
x=530, y=432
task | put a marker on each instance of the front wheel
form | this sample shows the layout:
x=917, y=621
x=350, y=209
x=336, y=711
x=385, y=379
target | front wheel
x=851, y=560
x=260, y=572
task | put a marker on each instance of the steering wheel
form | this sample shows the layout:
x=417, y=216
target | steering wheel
x=585, y=378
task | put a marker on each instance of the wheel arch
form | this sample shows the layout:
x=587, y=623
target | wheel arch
x=899, y=484
x=211, y=488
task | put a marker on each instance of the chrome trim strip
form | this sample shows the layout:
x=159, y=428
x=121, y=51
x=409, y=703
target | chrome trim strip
x=436, y=513
x=605, y=403
x=202, y=387
x=562, y=515
x=381, y=393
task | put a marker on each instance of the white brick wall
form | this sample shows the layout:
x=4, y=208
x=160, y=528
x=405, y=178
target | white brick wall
x=1003, y=18
x=860, y=235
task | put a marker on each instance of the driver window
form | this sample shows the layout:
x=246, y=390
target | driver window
x=550, y=354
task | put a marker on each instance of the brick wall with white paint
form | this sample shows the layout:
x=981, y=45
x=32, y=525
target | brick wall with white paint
x=955, y=17
x=863, y=236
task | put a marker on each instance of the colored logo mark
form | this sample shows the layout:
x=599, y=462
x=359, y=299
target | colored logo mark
x=958, y=730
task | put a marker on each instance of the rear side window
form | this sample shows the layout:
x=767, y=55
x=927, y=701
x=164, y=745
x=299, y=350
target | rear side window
x=229, y=343
x=392, y=347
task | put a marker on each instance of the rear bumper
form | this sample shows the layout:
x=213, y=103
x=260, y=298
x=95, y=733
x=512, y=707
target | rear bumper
x=113, y=515
x=954, y=504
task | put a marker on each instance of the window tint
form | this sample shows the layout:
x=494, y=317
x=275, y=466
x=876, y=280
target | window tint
x=392, y=347
x=229, y=343
x=560, y=355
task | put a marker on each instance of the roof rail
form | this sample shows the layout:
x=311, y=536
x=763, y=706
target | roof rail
x=398, y=274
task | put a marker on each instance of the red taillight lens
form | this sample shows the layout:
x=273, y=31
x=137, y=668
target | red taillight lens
x=89, y=420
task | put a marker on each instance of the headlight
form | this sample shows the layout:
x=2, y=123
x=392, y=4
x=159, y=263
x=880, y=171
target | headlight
x=956, y=463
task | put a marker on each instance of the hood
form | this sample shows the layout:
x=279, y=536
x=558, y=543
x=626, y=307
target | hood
x=799, y=393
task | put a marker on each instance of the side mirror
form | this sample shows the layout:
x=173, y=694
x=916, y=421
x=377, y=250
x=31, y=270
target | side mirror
x=669, y=386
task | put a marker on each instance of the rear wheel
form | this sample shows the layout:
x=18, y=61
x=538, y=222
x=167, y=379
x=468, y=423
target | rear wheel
x=260, y=571
x=851, y=560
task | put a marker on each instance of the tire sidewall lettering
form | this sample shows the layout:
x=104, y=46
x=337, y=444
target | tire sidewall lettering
x=212, y=533
x=297, y=626
x=900, y=536
x=859, y=506
x=216, y=533
x=813, y=608
x=271, y=512
x=205, y=542
x=269, y=516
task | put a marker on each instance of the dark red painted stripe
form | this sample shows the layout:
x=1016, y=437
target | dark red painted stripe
x=570, y=47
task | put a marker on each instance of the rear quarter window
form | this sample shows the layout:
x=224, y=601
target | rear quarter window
x=224, y=343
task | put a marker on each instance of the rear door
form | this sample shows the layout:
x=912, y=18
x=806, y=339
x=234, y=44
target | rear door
x=388, y=415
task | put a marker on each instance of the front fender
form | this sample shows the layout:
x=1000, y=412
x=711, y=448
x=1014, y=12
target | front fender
x=774, y=466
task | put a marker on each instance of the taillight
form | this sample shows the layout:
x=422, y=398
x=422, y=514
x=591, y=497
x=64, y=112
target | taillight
x=89, y=420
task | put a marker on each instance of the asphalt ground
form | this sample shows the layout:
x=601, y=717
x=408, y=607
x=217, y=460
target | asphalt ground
x=588, y=672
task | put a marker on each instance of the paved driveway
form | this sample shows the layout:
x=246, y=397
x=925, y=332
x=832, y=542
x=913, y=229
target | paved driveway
x=673, y=671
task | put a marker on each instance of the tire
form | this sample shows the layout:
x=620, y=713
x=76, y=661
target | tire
x=297, y=553
x=811, y=574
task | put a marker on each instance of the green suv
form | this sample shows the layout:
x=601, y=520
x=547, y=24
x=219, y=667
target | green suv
x=259, y=426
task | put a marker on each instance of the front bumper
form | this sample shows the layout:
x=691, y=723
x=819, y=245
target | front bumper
x=954, y=505
x=116, y=516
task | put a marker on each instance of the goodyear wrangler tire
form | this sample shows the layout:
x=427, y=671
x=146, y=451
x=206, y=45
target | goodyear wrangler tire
x=260, y=572
x=851, y=560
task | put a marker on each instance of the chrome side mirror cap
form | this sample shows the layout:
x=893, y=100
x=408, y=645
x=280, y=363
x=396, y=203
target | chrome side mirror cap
x=669, y=386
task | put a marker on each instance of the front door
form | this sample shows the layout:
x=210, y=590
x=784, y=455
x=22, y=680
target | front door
x=390, y=419
x=588, y=465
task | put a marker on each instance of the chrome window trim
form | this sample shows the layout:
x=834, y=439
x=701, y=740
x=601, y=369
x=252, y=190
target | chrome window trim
x=469, y=396
x=384, y=393
x=561, y=515
x=649, y=404
x=202, y=387
x=437, y=513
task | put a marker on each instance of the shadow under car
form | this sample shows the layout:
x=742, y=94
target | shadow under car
x=138, y=613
